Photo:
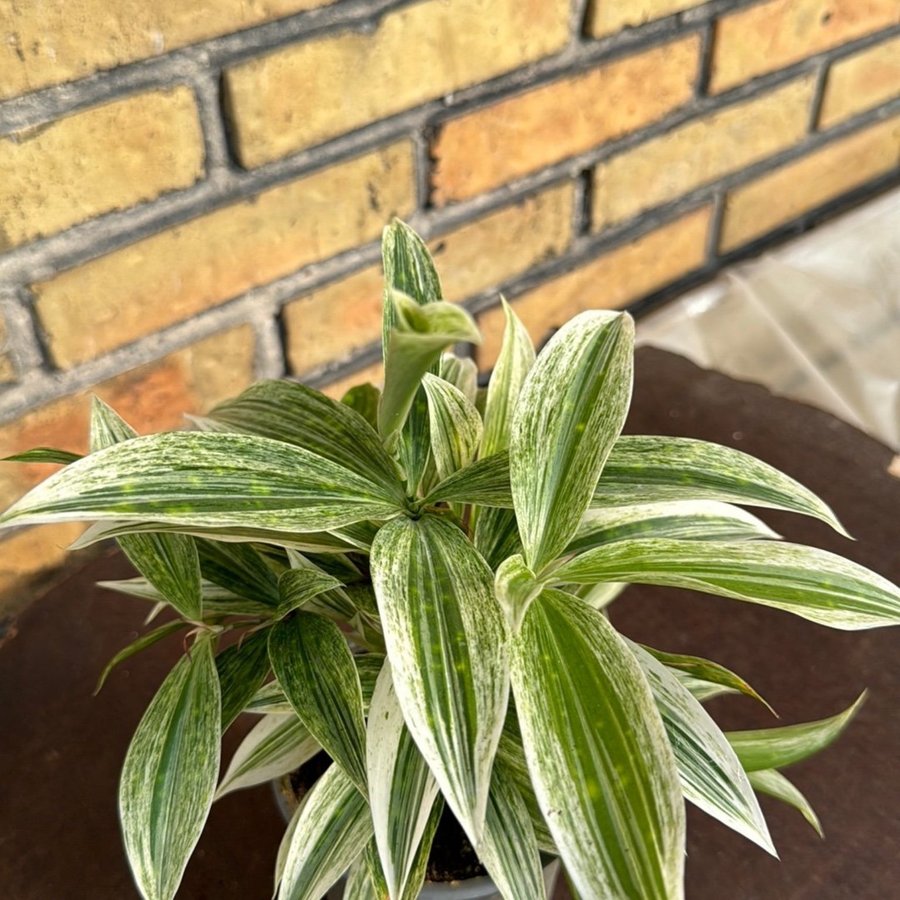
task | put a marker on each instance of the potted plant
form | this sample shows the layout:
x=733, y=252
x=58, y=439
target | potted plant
x=409, y=589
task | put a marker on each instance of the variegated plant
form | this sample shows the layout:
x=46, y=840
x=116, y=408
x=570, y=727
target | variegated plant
x=413, y=582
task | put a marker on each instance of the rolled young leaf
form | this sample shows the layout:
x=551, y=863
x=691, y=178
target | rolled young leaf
x=593, y=737
x=773, y=783
x=199, y=478
x=315, y=669
x=806, y=581
x=568, y=416
x=644, y=467
x=448, y=650
x=711, y=775
x=455, y=426
x=169, y=774
x=332, y=828
x=776, y=748
x=402, y=790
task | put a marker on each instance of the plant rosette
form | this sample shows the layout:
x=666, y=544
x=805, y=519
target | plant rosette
x=414, y=582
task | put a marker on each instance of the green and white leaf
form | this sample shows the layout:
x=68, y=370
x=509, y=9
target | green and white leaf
x=242, y=668
x=44, y=455
x=776, y=748
x=359, y=885
x=598, y=596
x=291, y=412
x=676, y=468
x=711, y=774
x=197, y=478
x=315, y=668
x=515, y=586
x=806, y=581
x=240, y=569
x=462, y=374
x=774, y=784
x=299, y=586
x=332, y=829
x=689, y=520
x=455, y=426
x=402, y=790
x=513, y=365
x=135, y=647
x=448, y=650
x=169, y=774
x=485, y=481
x=364, y=399
x=569, y=414
x=276, y=745
x=593, y=736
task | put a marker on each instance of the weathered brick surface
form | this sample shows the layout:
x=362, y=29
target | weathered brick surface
x=350, y=79
x=537, y=128
x=610, y=281
x=792, y=189
x=152, y=398
x=48, y=43
x=860, y=82
x=338, y=319
x=166, y=278
x=605, y=17
x=105, y=158
x=7, y=369
x=769, y=36
x=685, y=158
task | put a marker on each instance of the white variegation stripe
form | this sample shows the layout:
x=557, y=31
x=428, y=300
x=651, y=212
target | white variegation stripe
x=711, y=775
x=568, y=416
x=462, y=373
x=448, y=650
x=645, y=467
x=204, y=479
x=455, y=426
x=169, y=774
x=602, y=767
x=806, y=581
x=513, y=364
x=276, y=745
x=774, y=784
x=332, y=828
x=402, y=790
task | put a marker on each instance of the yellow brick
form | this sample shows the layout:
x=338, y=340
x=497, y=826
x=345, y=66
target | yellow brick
x=417, y=53
x=335, y=321
x=540, y=127
x=772, y=35
x=373, y=374
x=860, y=82
x=51, y=42
x=790, y=190
x=171, y=276
x=7, y=369
x=608, y=16
x=609, y=282
x=681, y=160
x=109, y=157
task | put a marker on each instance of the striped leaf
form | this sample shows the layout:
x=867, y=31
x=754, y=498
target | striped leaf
x=711, y=775
x=454, y=423
x=509, y=850
x=513, y=364
x=485, y=481
x=598, y=596
x=774, y=784
x=198, y=478
x=359, y=886
x=643, y=467
x=419, y=335
x=593, y=738
x=515, y=587
x=462, y=374
x=167, y=561
x=333, y=826
x=690, y=520
x=276, y=745
x=242, y=669
x=706, y=672
x=298, y=586
x=315, y=668
x=240, y=569
x=291, y=412
x=402, y=790
x=364, y=399
x=169, y=774
x=447, y=645
x=43, y=455
x=806, y=581
x=569, y=414
x=135, y=647
x=496, y=535
x=776, y=748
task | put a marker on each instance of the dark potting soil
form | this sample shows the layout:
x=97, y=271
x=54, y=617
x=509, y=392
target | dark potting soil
x=452, y=856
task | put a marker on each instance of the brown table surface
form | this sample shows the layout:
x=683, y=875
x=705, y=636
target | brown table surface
x=61, y=749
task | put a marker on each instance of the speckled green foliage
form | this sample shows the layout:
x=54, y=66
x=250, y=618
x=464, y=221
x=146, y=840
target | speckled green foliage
x=414, y=583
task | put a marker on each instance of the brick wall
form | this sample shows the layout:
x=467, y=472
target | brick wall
x=193, y=199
